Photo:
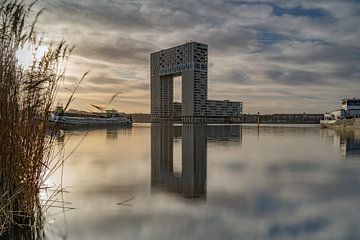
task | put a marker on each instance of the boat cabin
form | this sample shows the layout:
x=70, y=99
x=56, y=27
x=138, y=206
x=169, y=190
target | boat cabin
x=113, y=113
x=59, y=111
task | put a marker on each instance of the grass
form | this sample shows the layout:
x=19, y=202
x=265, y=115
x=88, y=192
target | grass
x=26, y=98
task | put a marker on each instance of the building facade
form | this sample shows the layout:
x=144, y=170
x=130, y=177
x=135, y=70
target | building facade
x=190, y=61
x=223, y=108
x=351, y=106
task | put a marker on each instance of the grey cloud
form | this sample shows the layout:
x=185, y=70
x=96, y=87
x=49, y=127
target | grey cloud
x=315, y=52
x=295, y=77
x=231, y=41
x=97, y=14
x=122, y=49
x=106, y=80
x=110, y=90
x=124, y=85
x=309, y=65
x=235, y=76
x=130, y=15
x=290, y=49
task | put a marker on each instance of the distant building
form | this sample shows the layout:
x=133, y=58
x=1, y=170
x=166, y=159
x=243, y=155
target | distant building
x=223, y=108
x=300, y=118
x=350, y=108
x=190, y=61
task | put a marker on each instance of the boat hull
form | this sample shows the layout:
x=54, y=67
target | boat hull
x=90, y=122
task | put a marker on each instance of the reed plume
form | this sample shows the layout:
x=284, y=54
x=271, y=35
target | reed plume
x=26, y=98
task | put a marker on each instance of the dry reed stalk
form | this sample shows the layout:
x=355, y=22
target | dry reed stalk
x=26, y=96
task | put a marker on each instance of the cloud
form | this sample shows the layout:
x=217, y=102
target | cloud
x=278, y=47
x=295, y=77
x=116, y=49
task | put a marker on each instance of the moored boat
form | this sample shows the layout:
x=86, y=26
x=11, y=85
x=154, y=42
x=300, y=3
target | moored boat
x=108, y=118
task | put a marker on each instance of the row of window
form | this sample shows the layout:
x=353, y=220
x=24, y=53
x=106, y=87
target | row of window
x=183, y=67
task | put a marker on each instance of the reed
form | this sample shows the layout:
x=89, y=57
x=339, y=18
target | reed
x=26, y=97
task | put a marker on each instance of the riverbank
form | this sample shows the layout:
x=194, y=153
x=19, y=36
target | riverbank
x=341, y=123
x=277, y=118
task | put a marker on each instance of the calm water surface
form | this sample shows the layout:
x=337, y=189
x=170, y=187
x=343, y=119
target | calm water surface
x=209, y=182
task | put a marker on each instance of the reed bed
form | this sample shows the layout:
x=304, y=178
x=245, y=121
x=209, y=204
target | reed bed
x=26, y=98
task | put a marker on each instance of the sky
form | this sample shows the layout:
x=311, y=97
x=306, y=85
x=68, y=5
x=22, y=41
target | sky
x=276, y=56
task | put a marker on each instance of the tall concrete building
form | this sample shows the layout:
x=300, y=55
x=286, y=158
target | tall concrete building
x=190, y=61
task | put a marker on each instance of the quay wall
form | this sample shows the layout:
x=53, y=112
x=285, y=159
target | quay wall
x=344, y=123
x=248, y=118
x=280, y=118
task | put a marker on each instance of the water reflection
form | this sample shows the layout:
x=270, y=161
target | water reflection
x=347, y=139
x=350, y=142
x=112, y=135
x=283, y=184
x=24, y=233
x=111, y=132
x=224, y=133
x=191, y=182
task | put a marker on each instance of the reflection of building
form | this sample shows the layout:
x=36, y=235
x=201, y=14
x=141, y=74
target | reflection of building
x=190, y=61
x=347, y=139
x=350, y=142
x=224, y=133
x=192, y=180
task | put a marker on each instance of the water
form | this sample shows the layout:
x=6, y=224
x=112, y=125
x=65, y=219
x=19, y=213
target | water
x=214, y=182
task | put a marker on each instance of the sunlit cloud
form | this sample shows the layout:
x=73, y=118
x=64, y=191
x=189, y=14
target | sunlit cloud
x=265, y=53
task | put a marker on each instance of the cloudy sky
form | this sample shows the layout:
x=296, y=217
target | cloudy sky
x=275, y=56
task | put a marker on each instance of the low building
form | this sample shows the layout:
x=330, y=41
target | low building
x=350, y=108
x=224, y=108
x=216, y=111
x=298, y=118
x=140, y=117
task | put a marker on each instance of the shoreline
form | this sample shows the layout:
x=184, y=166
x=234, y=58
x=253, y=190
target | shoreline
x=341, y=123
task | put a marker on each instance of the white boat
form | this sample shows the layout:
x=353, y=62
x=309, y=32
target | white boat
x=108, y=118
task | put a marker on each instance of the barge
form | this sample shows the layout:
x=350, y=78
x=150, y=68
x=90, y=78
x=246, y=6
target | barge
x=105, y=119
